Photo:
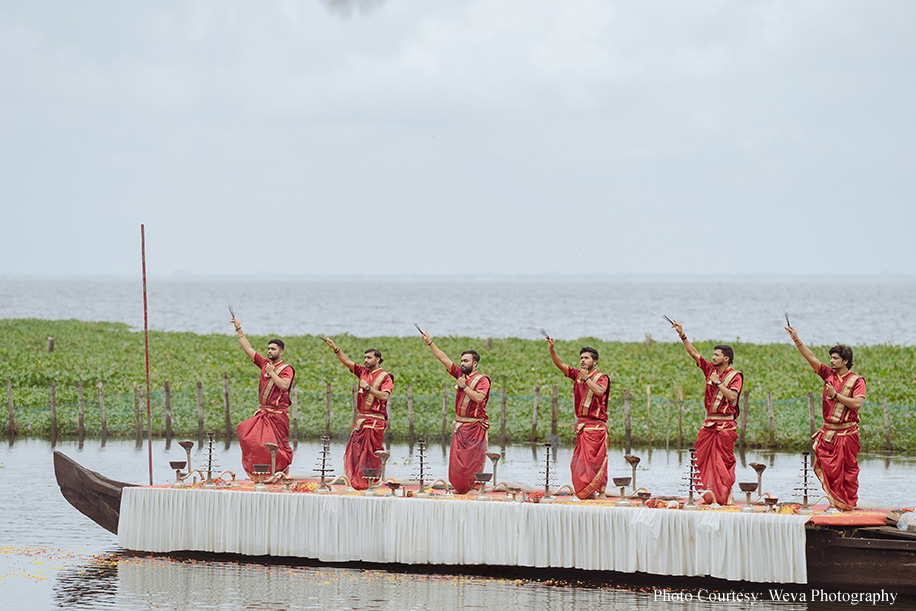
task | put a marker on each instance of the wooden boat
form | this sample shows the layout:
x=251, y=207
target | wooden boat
x=838, y=557
x=94, y=495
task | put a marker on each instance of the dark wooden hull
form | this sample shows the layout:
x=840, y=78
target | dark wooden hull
x=862, y=558
x=94, y=495
x=838, y=558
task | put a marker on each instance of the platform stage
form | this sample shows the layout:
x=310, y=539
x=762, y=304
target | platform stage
x=754, y=547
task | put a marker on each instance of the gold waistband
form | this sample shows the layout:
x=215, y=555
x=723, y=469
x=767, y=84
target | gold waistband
x=720, y=417
x=272, y=410
x=467, y=419
x=839, y=427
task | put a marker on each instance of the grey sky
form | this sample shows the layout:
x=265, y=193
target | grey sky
x=425, y=137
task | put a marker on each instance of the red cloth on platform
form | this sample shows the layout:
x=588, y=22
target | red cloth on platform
x=716, y=459
x=835, y=451
x=368, y=429
x=468, y=452
x=468, y=455
x=270, y=424
x=588, y=466
x=589, y=460
x=360, y=454
x=716, y=438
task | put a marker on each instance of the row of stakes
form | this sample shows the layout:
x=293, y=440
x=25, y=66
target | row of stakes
x=804, y=488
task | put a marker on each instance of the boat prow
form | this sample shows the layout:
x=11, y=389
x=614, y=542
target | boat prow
x=94, y=495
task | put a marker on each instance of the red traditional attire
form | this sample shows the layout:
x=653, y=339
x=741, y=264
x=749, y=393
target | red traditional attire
x=270, y=424
x=469, y=441
x=589, y=460
x=716, y=438
x=836, y=444
x=369, y=426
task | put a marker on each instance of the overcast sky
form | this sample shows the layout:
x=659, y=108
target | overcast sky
x=431, y=137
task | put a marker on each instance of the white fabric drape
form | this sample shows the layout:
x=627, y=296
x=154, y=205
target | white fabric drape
x=336, y=528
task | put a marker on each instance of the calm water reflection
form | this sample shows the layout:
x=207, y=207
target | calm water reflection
x=53, y=557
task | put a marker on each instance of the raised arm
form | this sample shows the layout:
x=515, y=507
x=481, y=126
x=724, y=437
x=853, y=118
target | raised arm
x=804, y=350
x=687, y=345
x=343, y=358
x=246, y=345
x=436, y=352
x=556, y=357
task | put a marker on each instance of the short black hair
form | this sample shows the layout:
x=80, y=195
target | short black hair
x=473, y=354
x=844, y=352
x=278, y=342
x=590, y=350
x=727, y=351
x=377, y=354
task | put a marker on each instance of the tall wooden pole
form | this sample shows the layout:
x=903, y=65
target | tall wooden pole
x=534, y=413
x=102, y=412
x=228, y=416
x=327, y=410
x=554, y=410
x=742, y=421
x=502, y=422
x=680, y=416
x=649, y=413
x=12, y=431
x=149, y=431
x=772, y=421
x=887, y=426
x=168, y=413
x=410, y=413
x=812, y=414
x=53, y=412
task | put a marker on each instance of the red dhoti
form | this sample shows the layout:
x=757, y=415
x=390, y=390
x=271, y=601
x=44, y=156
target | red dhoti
x=716, y=458
x=468, y=454
x=835, y=464
x=264, y=427
x=360, y=454
x=589, y=461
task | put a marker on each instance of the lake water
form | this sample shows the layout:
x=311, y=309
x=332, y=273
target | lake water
x=51, y=556
x=823, y=312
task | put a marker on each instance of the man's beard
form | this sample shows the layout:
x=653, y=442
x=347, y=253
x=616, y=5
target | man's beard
x=466, y=370
x=274, y=358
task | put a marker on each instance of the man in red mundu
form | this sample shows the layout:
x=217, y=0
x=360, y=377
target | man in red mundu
x=375, y=386
x=716, y=438
x=270, y=424
x=469, y=441
x=589, y=460
x=836, y=444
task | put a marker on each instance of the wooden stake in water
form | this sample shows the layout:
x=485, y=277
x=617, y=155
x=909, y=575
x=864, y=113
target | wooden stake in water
x=149, y=431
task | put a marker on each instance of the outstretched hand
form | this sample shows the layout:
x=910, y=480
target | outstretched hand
x=792, y=334
x=677, y=327
x=330, y=343
x=426, y=338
